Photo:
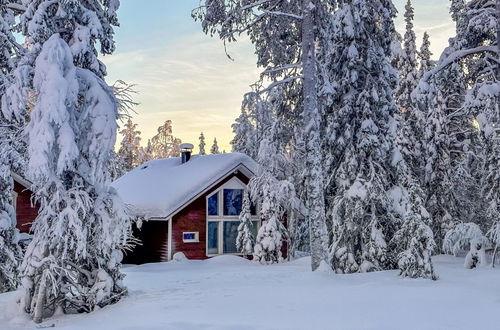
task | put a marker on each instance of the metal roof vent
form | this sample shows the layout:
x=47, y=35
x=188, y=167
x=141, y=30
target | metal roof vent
x=186, y=150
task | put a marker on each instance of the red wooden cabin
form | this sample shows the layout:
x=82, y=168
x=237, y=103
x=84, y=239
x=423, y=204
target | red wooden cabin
x=189, y=205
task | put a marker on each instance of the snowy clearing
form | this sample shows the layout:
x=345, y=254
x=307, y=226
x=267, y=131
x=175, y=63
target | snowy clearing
x=232, y=293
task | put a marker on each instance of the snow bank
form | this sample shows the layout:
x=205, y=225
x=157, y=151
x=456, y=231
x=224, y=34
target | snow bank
x=159, y=187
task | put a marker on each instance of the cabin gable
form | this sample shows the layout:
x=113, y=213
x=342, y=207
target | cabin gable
x=193, y=219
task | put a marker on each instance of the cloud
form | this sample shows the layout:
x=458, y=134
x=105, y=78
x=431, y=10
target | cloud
x=190, y=82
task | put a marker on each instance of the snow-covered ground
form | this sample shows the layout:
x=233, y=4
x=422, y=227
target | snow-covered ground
x=232, y=293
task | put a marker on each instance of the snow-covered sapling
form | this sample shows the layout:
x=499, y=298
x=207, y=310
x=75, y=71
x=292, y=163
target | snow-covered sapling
x=245, y=240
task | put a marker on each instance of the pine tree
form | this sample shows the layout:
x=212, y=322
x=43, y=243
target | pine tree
x=10, y=252
x=289, y=88
x=202, y=144
x=244, y=140
x=215, y=148
x=413, y=243
x=363, y=131
x=130, y=146
x=271, y=234
x=408, y=64
x=245, y=240
x=73, y=261
x=411, y=119
x=10, y=158
x=164, y=144
x=465, y=76
x=424, y=55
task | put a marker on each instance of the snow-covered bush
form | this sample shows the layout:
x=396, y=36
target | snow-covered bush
x=467, y=236
x=459, y=238
x=476, y=256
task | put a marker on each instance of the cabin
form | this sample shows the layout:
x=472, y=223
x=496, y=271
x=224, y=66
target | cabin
x=189, y=204
x=26, y=211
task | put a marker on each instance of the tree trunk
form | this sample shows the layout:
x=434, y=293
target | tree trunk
x=40, y=300
x=315, y=202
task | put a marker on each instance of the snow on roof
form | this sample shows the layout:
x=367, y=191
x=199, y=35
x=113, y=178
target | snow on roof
x=160, y=187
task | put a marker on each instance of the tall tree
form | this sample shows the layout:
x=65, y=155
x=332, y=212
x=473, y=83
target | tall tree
x=465, y=79
x=202, y=143
x=284, y=33
x=10, y=157
x=367, y=161
x=424, y=55
x=130, y=147
x=411, y=119
x=164, y=144
x=214, y=149
x=73, y=261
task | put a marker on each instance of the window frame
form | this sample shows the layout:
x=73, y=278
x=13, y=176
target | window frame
x=233, y=183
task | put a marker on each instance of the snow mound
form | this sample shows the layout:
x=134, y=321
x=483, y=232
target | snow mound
x=228, y=260
x=160, y=187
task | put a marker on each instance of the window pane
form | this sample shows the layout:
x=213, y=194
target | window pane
x=255, y=229
x=213, y=238
x=232, y=201
x=213, y=204
x=230, y=234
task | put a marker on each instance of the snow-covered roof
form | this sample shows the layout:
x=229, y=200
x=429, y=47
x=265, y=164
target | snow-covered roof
x=160, y=188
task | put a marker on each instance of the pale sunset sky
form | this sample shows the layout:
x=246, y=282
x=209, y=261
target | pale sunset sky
x=183, y=75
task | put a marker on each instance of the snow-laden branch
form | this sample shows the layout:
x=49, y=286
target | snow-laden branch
x=457, y=55
x=279, y=83
x=279, y=13
x=282, y=68
x=16, y=7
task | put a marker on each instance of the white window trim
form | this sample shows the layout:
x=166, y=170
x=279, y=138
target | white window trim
x=196, y=238
x=221, y=218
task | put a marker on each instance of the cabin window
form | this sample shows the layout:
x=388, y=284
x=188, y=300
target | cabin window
x=213, y=204
x=232, y=201
x=223, y=210
x=213, y=238
x=230, y=234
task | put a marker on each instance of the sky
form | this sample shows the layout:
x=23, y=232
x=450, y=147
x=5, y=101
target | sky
x=184, y=75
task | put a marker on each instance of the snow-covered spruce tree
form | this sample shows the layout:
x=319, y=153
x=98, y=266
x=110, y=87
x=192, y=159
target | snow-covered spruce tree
x=130, y=146
x=245, y=139
x=424, y=55
x=283, y=33
x=245, y=240
x=413, y=243
x=202, y=144
x=438, y=170
x=10, y=158
x=10, y=251
x=214, y=149
x=464, y=72
x=363, y=132
x=411, y=119
x=272, y=195
x=73, y=261
x=164, y=144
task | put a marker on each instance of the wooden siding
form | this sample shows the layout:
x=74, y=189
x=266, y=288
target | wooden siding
x=25, y=212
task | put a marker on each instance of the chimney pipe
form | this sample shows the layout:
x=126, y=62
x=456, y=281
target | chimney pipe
x=186, y=150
